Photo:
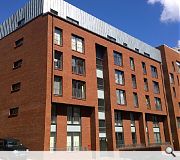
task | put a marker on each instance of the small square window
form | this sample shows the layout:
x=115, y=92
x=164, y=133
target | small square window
x=17, y=64
x=21, y=22
x=19, y=42
x=136, y=49
x=13, y=112
x=54, y=11
x=72, y=20
x=111, y=38
x=15, y=87
x=146, y=54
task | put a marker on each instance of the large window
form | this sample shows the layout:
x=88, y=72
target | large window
x=121, y=97
x=157, y=137
x=118, y=59
x=134, y=84
x=57, y=85
x=73, y=115
x=135, y=99
x=178, y=66
x=178, y=122
x=78, y=65
x=144, y=68
x=158, y=103
x=58, y=36
x=77, y=44
x=78, y=89
x=118, y=119
x=119, y=139
x=133, y=129
x=119, y=76
x=154, y=72
x=146, y=88
x=171, y=78
x=156, y=87
x=132, y=65
x=148, y=104
x=16, y=87
x=58, y=60
x=100, y=83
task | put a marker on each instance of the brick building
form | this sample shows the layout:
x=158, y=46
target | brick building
x=70, y=81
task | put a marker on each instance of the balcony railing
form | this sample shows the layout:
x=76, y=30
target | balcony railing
x=131, y=146
x=70, y=148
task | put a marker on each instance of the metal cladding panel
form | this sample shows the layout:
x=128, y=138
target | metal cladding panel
x=36, y=7
x=31, y=10
x=99, y=27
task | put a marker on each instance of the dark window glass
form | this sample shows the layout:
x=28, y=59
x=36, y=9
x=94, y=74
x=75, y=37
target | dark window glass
x=58, y=63
x=135, y=98
x=154, y=72
x=146, y=88
x=78, y=66
x=134, y=84
x=132, y=65
x=158, y=103
x=78, y=89
x=118, y=59
x=144, y=68
x=57, y=85
x=156, y=87
x=16, y=87
x=13, y=112
x=17, y=64
x=19, y=42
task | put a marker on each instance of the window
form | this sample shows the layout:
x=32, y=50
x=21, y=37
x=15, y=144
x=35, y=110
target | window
x=118, y=119
x=73, y=115
x=171, y=78
x=58, y=60
x=144, y=68
x=99, y=64
x=121, y=97
x=100, y=84
x=158, y=104
x=21, y=22
x=118, y=59
x=146, y=54
x=155, y=122
x=17, y=64
x=178, y=80
x=178, y=66
x=78, y=89
x=13, y=112
x=19, y=42
x=119, y=77
x=136, y=49
x=125, y=44
x=77, y=44
x=156, y=87
x=57, y=85
x=58, y=37
x=133, y=129
x=132, y=120
x=111, y=38
x=54, y=11
x=78, y=65
x=16, y=87
x=135, y=99
x=134, y=84
x=72, y=20
x=146, y=88
x=102, y=126
x=132, y=65
x=154, y=72
x=157, y=137
x=178, y=122
x=174, y=92
x=173, y=67
x=119, y=139
x=148, y=104
x=101, y=105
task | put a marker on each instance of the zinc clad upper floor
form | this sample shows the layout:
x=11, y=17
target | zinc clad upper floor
x=76, y=16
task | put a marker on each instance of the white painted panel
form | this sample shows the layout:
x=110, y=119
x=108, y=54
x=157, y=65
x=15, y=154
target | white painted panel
x=53, y=128
x=156, y=130
x=118, y=129
x=100, y=94
x=133, y=129
x=52, y=140
x=73, y=128
x=102, y=135
x=101, y=115
x=99, y=73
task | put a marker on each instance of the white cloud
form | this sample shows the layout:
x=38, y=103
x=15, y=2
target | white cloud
x=178, y=44
x=171, y=10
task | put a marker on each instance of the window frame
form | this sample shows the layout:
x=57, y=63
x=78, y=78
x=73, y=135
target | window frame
x=76, y=40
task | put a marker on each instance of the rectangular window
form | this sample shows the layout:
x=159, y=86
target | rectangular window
x=78, y=65
x=178, y=66
x=134, y=84
x=146, y=88
x=155, y=122
x=102, y=126
x=73, y=115
x=58, y=63
x=54, y=11
x=132, y=65
x=21, y=22
x=57, y=85
x=58, y=37
x=146, y=54
x=178, y=80
x=19, y=42
x=174, y=92
x=77, y=44
x=100, y=84
x=157, y=137
x=154, y=72
x=132, y=120
x=119, y=77
x=121, y=97
x=111, y=38
x=144, y=68
x=178, y=122
x=16, y=87
x=135, y=99
x=133, y=129
x=119, y=139
x=13, y=112
x=136, y=49
x=156, y=87
x=17, y=64
x=72, y=20
x=173, y=67
x=158, y=104
x=118, y=59
x=171, y=78
x=125, y=44
x=148, y=104
x=78, y=89
x=118, y=119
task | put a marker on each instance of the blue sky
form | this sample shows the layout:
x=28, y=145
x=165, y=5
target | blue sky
x=135, y=17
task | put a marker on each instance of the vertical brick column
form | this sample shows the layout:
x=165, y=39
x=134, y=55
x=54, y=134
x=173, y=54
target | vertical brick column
x=150, y=130
x=127, y=129
x=142, y=129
